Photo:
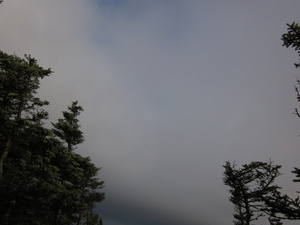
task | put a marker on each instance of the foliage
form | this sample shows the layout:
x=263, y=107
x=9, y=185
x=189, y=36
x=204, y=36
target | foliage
x=250, y=186
x=42, y=180
x=67, y=129
x=19, y=108
x=292, y=38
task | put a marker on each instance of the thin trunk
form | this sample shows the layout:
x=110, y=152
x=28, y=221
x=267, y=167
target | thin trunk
x=69, y=146
x=3, y=156
x=20, y=110
x=248, y=214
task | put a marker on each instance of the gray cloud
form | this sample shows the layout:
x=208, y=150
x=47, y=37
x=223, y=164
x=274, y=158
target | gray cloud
x=171, y=90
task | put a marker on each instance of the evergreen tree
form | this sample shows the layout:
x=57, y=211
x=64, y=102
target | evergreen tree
x=19, y=108
x=292, y=39
x=250, y=187
x=82, y=182
x=67, y=128
x=42, y=180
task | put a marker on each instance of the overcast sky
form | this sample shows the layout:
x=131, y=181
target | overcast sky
x=172, y=89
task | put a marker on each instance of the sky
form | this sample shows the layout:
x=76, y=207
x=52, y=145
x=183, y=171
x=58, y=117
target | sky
x=171, y=90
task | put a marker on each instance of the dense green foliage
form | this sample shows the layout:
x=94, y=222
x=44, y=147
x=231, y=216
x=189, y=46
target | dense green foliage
x=42, y=180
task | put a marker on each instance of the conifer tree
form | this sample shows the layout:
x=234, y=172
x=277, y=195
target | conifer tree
x=292, y=39
x=67, y=128
x=250, y=186
x=82, y=181
x=42, y=180
x=265, y=198
x=19, y=107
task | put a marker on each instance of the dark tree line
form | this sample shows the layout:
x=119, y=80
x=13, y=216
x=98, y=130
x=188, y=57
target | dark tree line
x=251, y=187
x=42, y=179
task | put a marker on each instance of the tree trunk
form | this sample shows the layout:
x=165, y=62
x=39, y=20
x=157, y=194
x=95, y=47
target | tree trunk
x=3, y=156
x=248, y=213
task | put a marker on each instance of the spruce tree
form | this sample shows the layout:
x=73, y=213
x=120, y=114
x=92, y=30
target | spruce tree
x=19, y=107
x=250, y=187
x=42, y=179
x=83, y=182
